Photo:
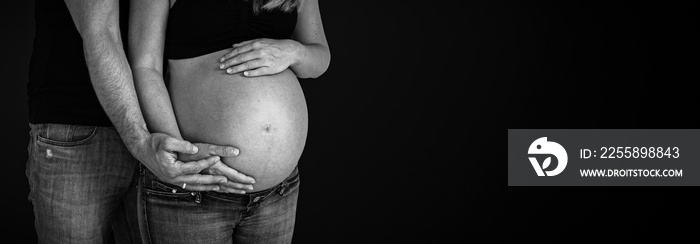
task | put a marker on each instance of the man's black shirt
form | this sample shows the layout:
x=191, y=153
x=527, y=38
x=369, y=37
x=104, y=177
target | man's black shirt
x=59, y=88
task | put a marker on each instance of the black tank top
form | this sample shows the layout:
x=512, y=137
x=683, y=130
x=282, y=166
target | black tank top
x=199, y=27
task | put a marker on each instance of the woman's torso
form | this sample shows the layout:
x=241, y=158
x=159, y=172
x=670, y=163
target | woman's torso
x=265, y=117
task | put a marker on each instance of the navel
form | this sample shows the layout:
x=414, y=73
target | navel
x=267, y=128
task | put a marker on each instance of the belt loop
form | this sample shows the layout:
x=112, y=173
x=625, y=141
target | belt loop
x=283, y=187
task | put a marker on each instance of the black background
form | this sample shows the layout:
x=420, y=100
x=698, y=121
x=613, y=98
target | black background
x=589, y=64
x=405, y=124
x=386, y=122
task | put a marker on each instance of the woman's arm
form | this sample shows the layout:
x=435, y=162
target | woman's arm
x=314, y=56
x=147, y=25
x=307, y=54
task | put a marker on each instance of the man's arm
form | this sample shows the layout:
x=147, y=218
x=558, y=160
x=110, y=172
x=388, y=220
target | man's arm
x=98, y=25
x=97, y=22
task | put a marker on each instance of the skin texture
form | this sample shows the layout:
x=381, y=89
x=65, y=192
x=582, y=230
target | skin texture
x=307, y=55
x=266, y=116
x=98, y=24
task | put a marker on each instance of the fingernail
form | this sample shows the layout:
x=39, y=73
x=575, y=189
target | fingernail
x=222, y=59
x=245, y=73
x=221, y=66
x=252, y=181
x=195, y=149
x=223, y=181
x=236, y=151
x=216, y=188
x=229, y=70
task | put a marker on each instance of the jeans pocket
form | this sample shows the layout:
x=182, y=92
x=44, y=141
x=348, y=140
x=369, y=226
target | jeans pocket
x=66, y=135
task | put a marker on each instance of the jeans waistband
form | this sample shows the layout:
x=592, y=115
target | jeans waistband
x=246, y=199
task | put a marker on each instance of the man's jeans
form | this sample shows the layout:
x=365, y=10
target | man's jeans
x=174, y=215
x=82, y=183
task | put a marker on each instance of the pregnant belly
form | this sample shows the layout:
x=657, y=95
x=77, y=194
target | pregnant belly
x=265, y=117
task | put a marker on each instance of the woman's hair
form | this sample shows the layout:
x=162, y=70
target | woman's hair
x=284, y=5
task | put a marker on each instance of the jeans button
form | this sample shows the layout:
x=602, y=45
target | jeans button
x=256, y=199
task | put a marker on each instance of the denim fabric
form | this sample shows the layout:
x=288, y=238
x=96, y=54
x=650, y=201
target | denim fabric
x=82, y=183
x=174, y=215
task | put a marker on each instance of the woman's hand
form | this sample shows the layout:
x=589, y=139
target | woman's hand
x=158, y=152
x=237, y=182
x=261, y=57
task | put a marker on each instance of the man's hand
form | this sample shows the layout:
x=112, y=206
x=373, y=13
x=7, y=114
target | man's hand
x=237, y=182
x=159, y=154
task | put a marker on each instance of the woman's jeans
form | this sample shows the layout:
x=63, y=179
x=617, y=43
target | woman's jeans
x=82, y=183
x=174, y=215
